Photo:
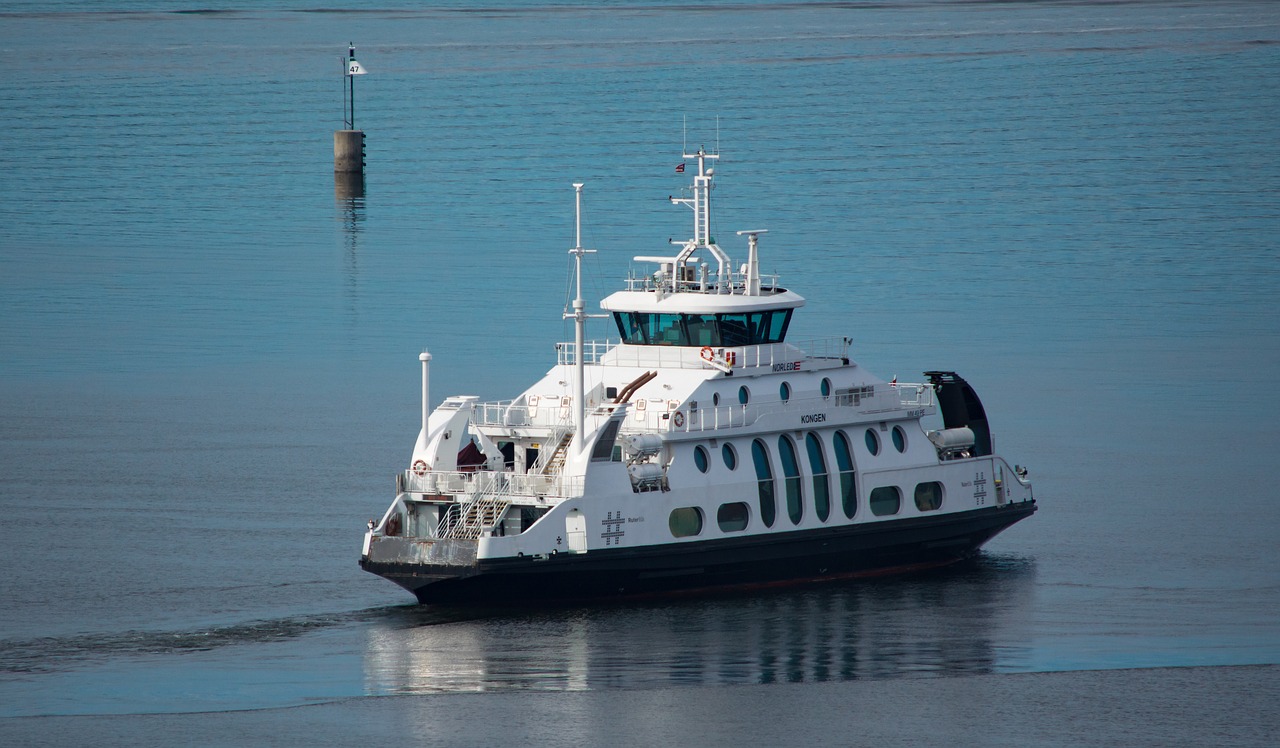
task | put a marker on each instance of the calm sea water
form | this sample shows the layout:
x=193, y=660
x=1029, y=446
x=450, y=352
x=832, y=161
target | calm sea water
x=208, y=348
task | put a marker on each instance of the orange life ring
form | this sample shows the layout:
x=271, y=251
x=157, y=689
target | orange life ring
x=419, y=468
x=678, y=419
x=707, y=353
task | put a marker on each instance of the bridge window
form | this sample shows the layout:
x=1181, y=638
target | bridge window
x=720, y=330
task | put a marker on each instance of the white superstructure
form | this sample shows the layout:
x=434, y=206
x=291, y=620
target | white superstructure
x=703, y=448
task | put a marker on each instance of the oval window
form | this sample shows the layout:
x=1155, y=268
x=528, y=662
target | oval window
x=818, y=469
x=791, y=482
x=715, y=398
x=886, y=500
x=899, y=439
x=825, y=388
x=700, y=458
x=764, y=483
x=784, y=392
x=744, y=395
x=848, y=486
x=733, y=517
x=730, y=456
x=928, y=496
x=685, y=522
x=873, y=442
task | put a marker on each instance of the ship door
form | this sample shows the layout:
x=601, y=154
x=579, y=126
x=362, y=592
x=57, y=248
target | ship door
x=575, y=529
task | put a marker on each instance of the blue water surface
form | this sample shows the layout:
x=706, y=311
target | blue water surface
x=209, y=344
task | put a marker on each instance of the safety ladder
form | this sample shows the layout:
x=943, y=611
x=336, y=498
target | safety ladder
x=555, y=463
x=470, y=519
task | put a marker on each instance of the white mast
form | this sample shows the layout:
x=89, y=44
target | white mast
x=701, y=204
x=579, y=325
x=425, y=358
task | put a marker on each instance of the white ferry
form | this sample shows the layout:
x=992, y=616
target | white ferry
x=703, y=450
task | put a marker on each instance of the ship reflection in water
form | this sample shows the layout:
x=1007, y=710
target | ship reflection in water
x=964, y=621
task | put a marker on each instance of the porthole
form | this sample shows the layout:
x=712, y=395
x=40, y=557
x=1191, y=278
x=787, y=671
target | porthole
x=685, y=522
x=886, y=500
x=873, y=442
x=700, y=458
x=744, y=395
x=784, y=392
x=730, y=456
x=899, y=439
x=825, y=388
x=715, y=398
x=733, y=517
x=928, y=496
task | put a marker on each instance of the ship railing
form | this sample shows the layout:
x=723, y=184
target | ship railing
x=774, y=356
x=690, y=357
x=556, y=414
x=914, y=398
x=461, y=485
x=735, y=282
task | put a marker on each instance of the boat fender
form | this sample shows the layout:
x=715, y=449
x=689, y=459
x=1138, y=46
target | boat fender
x=419, y=468
x=678, y=419
x=707, y=353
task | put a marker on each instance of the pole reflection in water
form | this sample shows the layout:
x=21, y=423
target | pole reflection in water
x=964, y=621
x=348, y=191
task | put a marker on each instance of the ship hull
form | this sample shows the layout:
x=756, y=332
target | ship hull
x=770, y=559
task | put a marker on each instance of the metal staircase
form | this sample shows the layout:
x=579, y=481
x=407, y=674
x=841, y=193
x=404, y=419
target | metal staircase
x=471, y=519
x=555, y=464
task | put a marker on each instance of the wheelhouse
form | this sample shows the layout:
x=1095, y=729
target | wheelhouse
x=717, y=330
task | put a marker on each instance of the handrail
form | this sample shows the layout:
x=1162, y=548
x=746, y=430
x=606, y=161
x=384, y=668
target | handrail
x=885, y=399
x=459, y=484
x=688, y=357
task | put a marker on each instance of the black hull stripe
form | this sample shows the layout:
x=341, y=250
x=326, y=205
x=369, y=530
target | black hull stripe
x=847, y=551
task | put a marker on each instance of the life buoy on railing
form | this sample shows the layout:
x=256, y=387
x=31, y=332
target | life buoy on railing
x=707, y=353
x=419, y=468
x=678, y=419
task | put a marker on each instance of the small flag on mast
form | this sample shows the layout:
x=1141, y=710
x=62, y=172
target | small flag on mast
x=679, y=168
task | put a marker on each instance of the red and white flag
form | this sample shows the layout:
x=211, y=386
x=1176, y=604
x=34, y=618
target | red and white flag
x=679, y=168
